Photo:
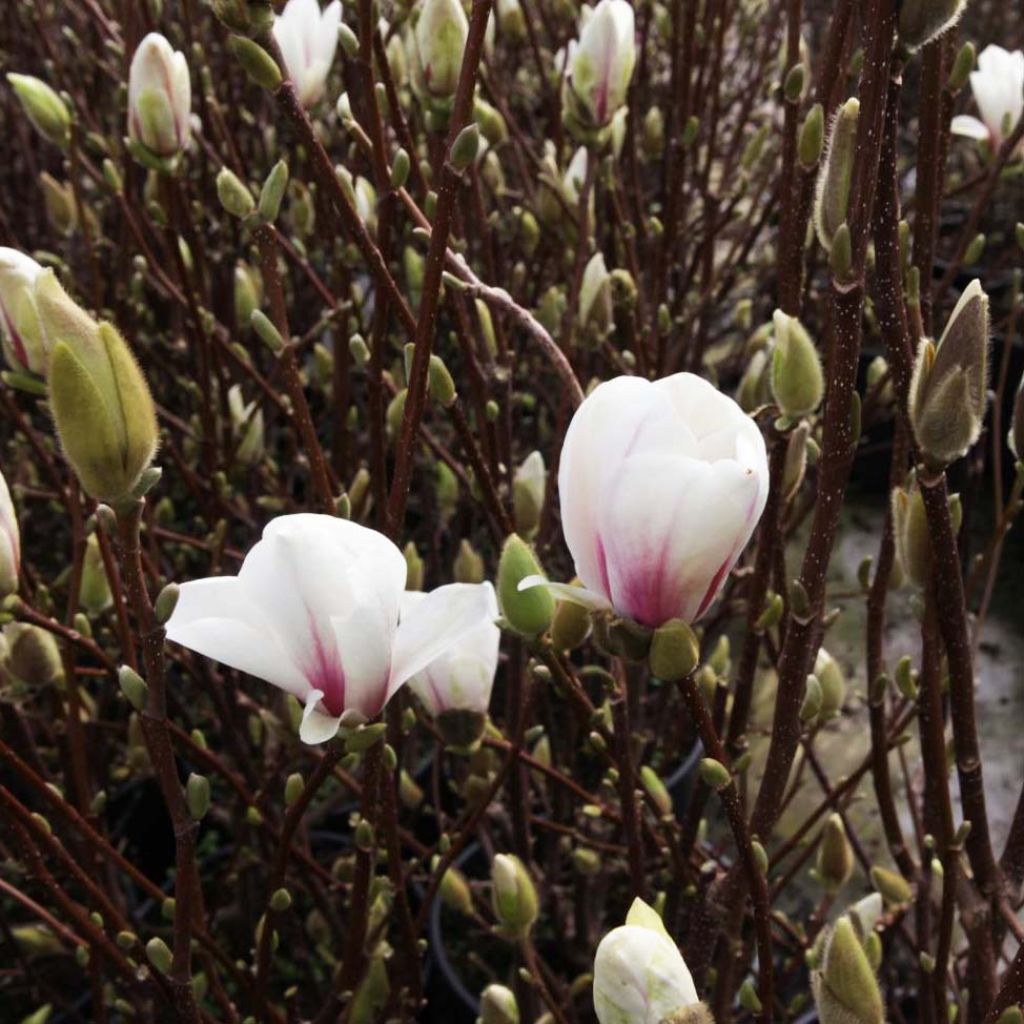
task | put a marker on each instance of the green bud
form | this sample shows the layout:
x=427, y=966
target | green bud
x=811, y=705
x=798, y=383
x=832, y=196
x=498, y=1006
x=267, y=332
x=273, y=191
x=234, y=194
x=675, y=651
x=456, y=893
x=43, y=107
x=465, y=147
x=749, y=999
x=258, y=64
x=528, y=611
x=197, y=795
x=32, y=654
x=293, y=788
x=974, y=251
x=845, y=989
x=414, y=567
x=714, y=773
x=468, y=566
x=793, y=88
x=812, y=136
x=894, y=888
x=571, y=625
x=159, y=955
x=165, y=603
x=921, y=21
x=760, y=855
x=400, y=169
x=948, y=391
x=348, y=40
x=248, y=290
x=364, y=837
x=795, y=465
x=962, y=67
x=656, y=789
x=841, y=255
x=514, y=896
x=101, y=404
x=441, y=382
x=835, y=856
x=133, y=686
x=529, y=485
x=833, y=684
x=94, y=594
x=586, y=862
x=281, y=900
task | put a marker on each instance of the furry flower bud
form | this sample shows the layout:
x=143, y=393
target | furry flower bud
x=845, y=989
x=798, y=383
x=832, y=197
x=949, y=387
x=43, y=107
x=922, y=20
x=514, y=896
x=835, y=856
x=528, y=610
x=674, y=651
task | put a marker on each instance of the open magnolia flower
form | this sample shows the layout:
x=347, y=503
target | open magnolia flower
x=601, y=62
x=998, y=87
x=308, y=38
x=640, y=976
x=315, y=610
x=20, y=328
x=661, y=485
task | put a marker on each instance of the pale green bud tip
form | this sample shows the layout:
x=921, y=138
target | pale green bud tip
x=498, y=1006
x=846, y=990
x=456, y=893
x=812, y=137
x=159, y=955
x=293, y=788
x=894, y=888
x=835, y=856
x=258, y=64
x=797, y=381
x=273, y=192
x=528, y=611
x=674, y=651
x=234, y=194
x=514, y=895
x=268, y=333
x=166, y=602
x=656, y=789
x=281, y=900
x=400, y=169
x=133, y=686
x=835, y=177
x=714, y=773
x=442, y=384
x=348, y=40
x=43, y=107
x=197, y=795
x=465, y=147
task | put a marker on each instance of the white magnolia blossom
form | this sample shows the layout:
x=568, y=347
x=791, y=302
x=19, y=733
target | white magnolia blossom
x=308, y=38
x=21, y=330
x=661, y=485
x=437, y=44
x=461, y=678
x=10, y=542
x=315, y=611
x=998, y=87
x=640, y=976
x=601, y=62
x=159, y=97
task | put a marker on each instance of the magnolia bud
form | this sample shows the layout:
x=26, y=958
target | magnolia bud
x=273, y=191
x=32, y=655
x=922, y=20
x=101, y=404
x=498, y=1006
x=197, y=795
x=10, y=543
x=159, y=98
x=796, y=461
x=514, y=896
x=948, y=390
x=43, y=107
x=258, y=64
x=159, y=955
x=414, y=567
x=527, y=611
x=714, y=773
x=94, y=592
x=248, y=291
x=656, y=790
x=529, y=483
x=833, y=685
x=675, y=651
x=845, y=989
x=962, y=67
x=595, y=302
x=835, y=856
x=640, y=975
x=832, y=197
x=24, y=341
x=601, y=65
x=438, y=41
x=468, y=566
x=234, y=194
x=465, y=147
x=571, y=624
x=892, y=886
x=797, y=380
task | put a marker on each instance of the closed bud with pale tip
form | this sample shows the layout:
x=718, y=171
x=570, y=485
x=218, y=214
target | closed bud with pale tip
x=529, y=485
x=455, y=892
x=571, y=624
x=101, y=403
x=921, y=21
x=892, y=886
x=596, y=308
x=159, y=98
x=257, y=63
x=197, y=796
x=948, y=391
x=812, y=137
x=273, y=191
x=845, y=988
x=31, y=654
x=159, y=955
x=514, y=896
x=498, y=1006
x=527, y=609
x=656, y=790
x=10, y=543
x=835, y=856
x=234, y=194
x=798, y=383
x=674, y=651
x=465, y=147
x=468, y=566
x=832, y=197
x=714, y=773
x=43, y=107
x=833, y=684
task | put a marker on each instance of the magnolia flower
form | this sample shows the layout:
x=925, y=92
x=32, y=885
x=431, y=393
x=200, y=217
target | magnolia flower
x=461, y=677
x=315, y=609
x=640, y=976
x=661, y=486
x=10, y=542
x=998, y=87
x=159, y=97
x=308, y=38
x=20, y=328
x=438, y=41
x=601, y=62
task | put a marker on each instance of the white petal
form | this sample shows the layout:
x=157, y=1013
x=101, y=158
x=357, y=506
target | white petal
x=327, y=43
x=364, y=644
x=440, y=621
x=216, y=618
x=567, y=592
x=969, y=127
x=317, y=726
x=288, y=39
